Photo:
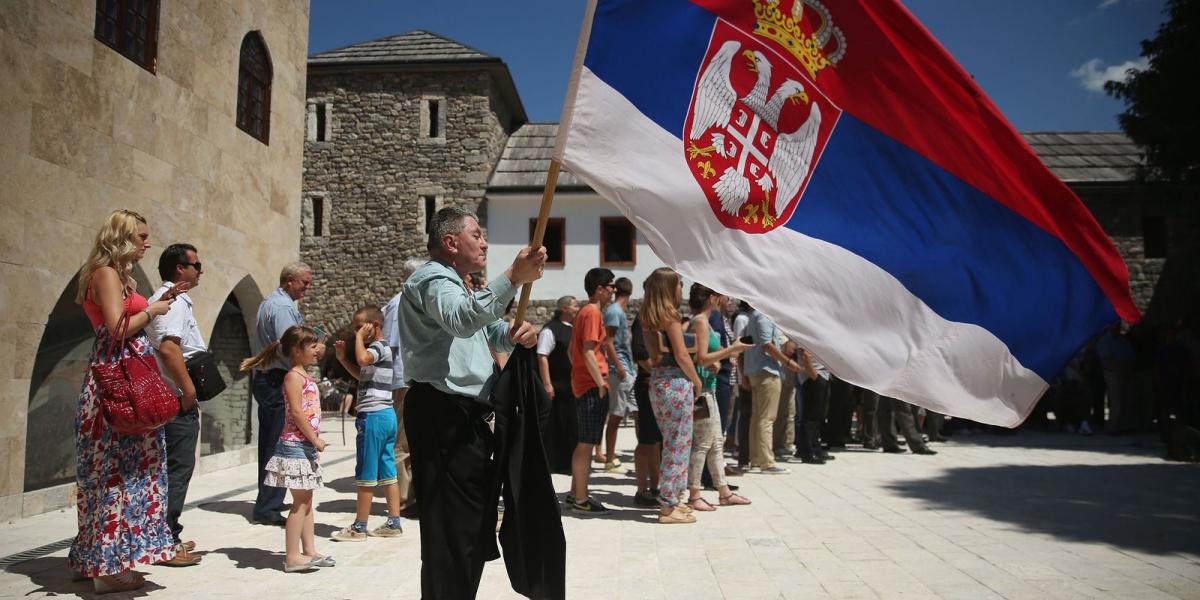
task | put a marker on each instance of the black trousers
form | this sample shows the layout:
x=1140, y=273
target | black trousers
x=451, y=448
x=836, y=431
x=182, y=434
x=868, y=424
x=895, y=414
x=268, y=391
x=814, y=404
x=745, y=408
x=561, y=437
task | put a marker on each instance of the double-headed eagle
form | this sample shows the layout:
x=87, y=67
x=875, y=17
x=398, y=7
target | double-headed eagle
x=793, y=154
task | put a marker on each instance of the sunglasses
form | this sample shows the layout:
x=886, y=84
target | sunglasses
x=196, y=264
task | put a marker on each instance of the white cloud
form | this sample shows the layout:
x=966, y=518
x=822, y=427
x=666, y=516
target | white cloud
x=1106, y=4
x=1092, y=75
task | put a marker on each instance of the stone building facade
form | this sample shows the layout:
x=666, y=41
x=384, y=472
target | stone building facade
x=150, y=127
x=397, y=128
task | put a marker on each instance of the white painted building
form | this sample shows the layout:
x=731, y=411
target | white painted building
x=584, y=231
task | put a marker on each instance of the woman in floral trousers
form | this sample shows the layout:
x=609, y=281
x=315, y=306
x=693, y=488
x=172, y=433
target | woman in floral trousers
x=673, y=388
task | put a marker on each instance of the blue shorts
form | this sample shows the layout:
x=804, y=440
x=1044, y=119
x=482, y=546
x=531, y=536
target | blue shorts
x=375, y=462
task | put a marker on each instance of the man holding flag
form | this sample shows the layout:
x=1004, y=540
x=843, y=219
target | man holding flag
x=831, y=163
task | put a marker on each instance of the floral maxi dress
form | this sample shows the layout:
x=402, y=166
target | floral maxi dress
x=122, y=486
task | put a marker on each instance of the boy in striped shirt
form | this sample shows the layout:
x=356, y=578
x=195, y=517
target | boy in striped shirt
x=376, y=425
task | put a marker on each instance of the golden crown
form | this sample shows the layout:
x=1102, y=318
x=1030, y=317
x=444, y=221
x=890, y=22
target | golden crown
x=807, y=33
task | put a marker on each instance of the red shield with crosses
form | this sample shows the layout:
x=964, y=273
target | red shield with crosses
x=755, y=130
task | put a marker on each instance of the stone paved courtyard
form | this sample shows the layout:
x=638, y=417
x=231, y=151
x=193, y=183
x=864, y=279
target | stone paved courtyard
x=1029, y=516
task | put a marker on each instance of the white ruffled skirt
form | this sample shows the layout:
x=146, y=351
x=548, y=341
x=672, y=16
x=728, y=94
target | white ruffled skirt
x=294, y=466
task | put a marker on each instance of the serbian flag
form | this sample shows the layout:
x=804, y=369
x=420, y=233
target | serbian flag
x=829, y=162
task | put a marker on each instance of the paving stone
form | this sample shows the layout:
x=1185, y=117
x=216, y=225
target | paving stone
x=1012, y=517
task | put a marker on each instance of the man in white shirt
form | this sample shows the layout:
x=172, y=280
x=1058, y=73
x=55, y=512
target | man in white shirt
x=176, y=338
x=554, y=366
x=391, y=335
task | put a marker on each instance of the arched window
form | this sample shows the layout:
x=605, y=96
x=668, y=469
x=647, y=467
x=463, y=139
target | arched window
x=129, y=27
x=254, y=88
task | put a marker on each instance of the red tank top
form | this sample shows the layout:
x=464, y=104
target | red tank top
x=134, y=304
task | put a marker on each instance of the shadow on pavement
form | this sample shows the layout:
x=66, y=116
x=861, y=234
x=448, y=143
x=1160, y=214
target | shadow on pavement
x=1146, y=507
x=1133, y=445
x=253, y=558
x=243, y=508
x=344, y=485
x=53, y=578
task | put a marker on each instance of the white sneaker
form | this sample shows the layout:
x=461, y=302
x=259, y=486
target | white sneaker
x=776, y=470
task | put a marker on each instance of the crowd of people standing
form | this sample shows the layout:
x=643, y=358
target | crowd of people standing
x=697, y=379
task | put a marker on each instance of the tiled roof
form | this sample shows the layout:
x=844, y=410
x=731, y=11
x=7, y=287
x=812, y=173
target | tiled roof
x=1086, y=156
x=1076, y=157
x=418, y=46
x=526, y=160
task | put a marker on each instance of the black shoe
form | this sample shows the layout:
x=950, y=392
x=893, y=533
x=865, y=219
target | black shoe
x=410, y=511
x=591, y=506
x=272, y=518
x=937, y=438
x=925, y=451
x=870, y=446
x=827, y=456
x=812, y=460
x=645, y=499
x=895, y=450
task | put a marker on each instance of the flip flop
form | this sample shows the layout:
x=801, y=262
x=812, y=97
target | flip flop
x=675, y=518
x=701, y=505
x=734, y=500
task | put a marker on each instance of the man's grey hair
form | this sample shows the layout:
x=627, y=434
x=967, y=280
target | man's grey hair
x=564, y=302
x=447, y=221
x=293, y=271
x=562, y=305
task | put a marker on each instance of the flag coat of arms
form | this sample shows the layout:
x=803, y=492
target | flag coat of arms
x=829, y=162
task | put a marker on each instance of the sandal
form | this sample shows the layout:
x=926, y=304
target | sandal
x=125, y=581
x=684, y=508
x=700, y=504
x=734, y=500
x=676, y=517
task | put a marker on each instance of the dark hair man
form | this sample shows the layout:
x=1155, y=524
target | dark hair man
x=176, y=338
x=589, y=383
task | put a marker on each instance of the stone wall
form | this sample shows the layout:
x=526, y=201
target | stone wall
x=1163, y=288
x=88, y=131
x=225, y=423
x=375, y=170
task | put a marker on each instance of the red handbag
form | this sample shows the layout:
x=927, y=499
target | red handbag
x=134, y=399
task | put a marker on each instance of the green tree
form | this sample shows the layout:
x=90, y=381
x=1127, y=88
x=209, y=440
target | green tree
x=1162, y=102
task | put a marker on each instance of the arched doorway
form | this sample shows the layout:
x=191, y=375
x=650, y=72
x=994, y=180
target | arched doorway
x=58, y=368
x=226, y=422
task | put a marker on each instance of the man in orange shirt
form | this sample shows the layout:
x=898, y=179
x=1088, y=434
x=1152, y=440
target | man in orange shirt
x=589, y=383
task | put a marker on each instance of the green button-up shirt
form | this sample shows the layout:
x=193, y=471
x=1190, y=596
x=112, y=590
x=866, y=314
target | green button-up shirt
x=445, y=330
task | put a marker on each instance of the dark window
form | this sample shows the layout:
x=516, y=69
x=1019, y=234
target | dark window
x=555, y=240
x=318, y=211
x=1154, y=237
x=618, y=242
x=254, y=88
x=321, y=116
x=430, y=209
x=433, y=109
x=131, y=28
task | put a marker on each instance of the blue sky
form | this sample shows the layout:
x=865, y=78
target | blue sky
x=1041, y=61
